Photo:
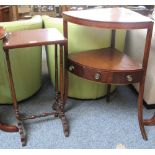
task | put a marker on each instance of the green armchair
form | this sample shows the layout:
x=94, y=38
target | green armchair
x=25, y=62
x=82, y=38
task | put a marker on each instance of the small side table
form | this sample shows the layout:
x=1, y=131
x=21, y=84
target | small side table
x=108, y=65
x=29, y=38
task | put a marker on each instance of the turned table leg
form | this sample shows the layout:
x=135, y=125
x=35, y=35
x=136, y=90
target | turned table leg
x=13, y=95
x=60, y=101
x=62, y=95
x=54, y=107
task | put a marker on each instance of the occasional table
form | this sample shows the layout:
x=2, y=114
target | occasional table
x=108, y=65
x=29, y=38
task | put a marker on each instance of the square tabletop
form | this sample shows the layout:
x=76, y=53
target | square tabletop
x=35, y=37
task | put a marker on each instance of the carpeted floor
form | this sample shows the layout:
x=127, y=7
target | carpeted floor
x=94, y=124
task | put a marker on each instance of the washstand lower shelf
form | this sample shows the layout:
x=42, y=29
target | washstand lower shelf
x=105, y=65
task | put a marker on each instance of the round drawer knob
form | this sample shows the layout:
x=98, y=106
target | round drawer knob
x=97, y=76
x=71, y=68
x=129, y=78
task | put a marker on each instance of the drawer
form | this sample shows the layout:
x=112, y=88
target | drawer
x=127, y=77
x=104, y=76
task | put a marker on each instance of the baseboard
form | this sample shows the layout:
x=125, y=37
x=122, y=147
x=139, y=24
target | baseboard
x=147, y=106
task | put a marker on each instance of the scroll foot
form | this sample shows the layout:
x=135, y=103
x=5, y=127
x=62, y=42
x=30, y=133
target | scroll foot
x=150, y=121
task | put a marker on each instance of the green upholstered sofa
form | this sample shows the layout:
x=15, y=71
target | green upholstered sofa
x=26, y=64
x=82, y=38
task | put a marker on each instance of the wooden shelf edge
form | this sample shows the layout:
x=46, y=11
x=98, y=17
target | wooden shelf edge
x=106, y=59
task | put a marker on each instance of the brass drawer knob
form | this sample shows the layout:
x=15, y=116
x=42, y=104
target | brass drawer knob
x=71, y=68
x=97, y=76
x=129, y=78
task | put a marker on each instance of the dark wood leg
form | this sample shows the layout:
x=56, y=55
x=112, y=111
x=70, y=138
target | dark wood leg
x=65, y=31
x=150, y=121
x=64, y=123
x=113, y=33
x=65, y=74
x=108, y=93
x=61, y=78
x=61, y=100
x=56, y=79
x=140, y=110
x=13, y=94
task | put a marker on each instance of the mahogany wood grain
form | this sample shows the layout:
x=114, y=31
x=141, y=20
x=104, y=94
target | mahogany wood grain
x=110, y=77
x=37, y=37
x=65, y=32
x=29, y=38
x=140, y=109
x=107, y=59
x=142, y=83
x=108, y=65
x=54, y=106
x=5, y=13
x=111, y=18
x=61, y=75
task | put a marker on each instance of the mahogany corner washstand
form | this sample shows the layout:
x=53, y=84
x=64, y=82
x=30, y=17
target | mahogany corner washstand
x=108, y=65
x=29, y=38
